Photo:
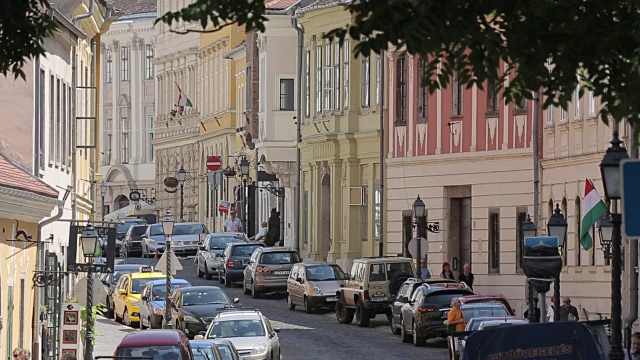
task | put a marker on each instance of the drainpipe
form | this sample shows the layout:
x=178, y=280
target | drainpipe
x=633, y=260
x=40, y=260
x=382, y=156
x=85, y=15
x=94, y=153
x=300, y=31
x=37, y=132
x=74, y=129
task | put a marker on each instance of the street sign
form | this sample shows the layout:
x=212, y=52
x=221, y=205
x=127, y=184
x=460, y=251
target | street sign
x=96, y=268
x=631, y=198
x=547, y=241
x=214, y=163
x=107, y=234
x=413, y=247
x=162, y=264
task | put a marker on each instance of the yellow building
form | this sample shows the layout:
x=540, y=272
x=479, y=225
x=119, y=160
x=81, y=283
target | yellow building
x=24, y=201
x=340, y=141
x=220, y=104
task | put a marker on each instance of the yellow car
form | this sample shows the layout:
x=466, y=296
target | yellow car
x=126, y=297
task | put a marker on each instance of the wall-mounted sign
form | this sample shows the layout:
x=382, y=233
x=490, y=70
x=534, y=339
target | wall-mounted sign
x=171, y=184
x=106, y=234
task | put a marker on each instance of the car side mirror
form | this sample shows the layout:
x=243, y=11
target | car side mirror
x=276, y=330
x=404, y=299
x=144, y=298
x=122, y=292
x=300, y=280
x=236, y=300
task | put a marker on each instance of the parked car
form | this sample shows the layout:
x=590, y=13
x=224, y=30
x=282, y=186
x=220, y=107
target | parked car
x=126, y=301
x=203, y=350
x=153, y=241
x=487, y=298
x=456, y=344
x=155, y=344
x=250, y=332
x=121, y=231
x=195, y=307
x=373, y=283
x=235, y=259
x=152, y=301
x=209, y=257
x=225, y=347
x=314, y=285
x=268, y=270
x=404, y=294
x=421, y=317
x=132, y=241
x=111, y=279
x=186, y=237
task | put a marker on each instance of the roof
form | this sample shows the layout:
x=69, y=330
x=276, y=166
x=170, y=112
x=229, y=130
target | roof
x=128, y=7
x=201, y=344
x=383, y=259
x=148, y=275
x=320, y=4
x=173, y=281
x=280, y=4
x=239, y=314
x=278, y=249
x=198, y=288
x=152, y=337
x=15, y=177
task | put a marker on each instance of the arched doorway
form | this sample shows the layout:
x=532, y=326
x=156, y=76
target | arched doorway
x=325, y=223
x=120, y=202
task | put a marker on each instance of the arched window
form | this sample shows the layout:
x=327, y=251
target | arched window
x=577, y=229
x=563, y=207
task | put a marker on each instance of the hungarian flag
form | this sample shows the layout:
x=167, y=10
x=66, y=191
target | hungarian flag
x=593, y=208
x=224, y=206
x=183, y=100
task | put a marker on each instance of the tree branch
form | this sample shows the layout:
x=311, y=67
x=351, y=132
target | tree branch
x=220, y=27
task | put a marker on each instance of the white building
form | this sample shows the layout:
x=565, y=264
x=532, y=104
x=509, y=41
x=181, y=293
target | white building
x=128, y=98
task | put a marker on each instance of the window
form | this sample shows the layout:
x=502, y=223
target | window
x=521, y=218
x=578, y=230
x=58, y=122
x=365, y=213
x=592, y=103
x=318, y=78
x=456, y=102
x=492, y=96
x=336, y=77
x=69, y=131
x=563, y=115
x=366, y=81
x=345, y=78
x=41, y=120
x=149, y=138
x=563, y=207
x=549, y=115
x=108, y=146
x=149, y=62
x=378, y=78
x=401, y=90
x=305, y=232
x=576, y=102
x=109, y=66
x=52, y=118
x=307, y=83
x=422, y=92
x=124, y=64
x=262, y=94
x=249, y=100
x=286, y=94
x=125, y=140
x=494, y=242
x=328, y=78
x=63, y=131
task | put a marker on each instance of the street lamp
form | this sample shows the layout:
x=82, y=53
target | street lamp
x=611, y=178
x=420, y=215
x=529, y=229
x=244, y=171
x=103, y=192
x=89, y=243
x=557, y=226
x=605, y=230
x=182, y=176
x=167, y=229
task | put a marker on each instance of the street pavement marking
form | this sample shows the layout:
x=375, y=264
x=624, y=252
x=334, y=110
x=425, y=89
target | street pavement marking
x=287, y=326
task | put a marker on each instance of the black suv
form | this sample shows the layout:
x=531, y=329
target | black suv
x=235, y=259
x=132, y=241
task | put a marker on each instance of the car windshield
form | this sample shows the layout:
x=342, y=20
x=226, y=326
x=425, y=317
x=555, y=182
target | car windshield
x=236, y=328
x=441, y=298
x=219, y=242
x=244, y=250
x=203, y=297
x=276, y=258
x=188, y=229
x=155, y=230
x=489, y=310
x=159, y=291
x=203, y=353
x=138, y=230
x=156, y=352
x=122, y=228
x=225, y=351
x=324, y=273
x=137, y=285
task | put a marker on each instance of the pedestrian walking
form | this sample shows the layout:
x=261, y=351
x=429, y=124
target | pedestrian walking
x=634, y=352
x=262, y=234
x=455, y=318
x=446, y=271
x=568, y=312
x=536, y=311
x=466, y=276
x=424, y=270
x=233, y=224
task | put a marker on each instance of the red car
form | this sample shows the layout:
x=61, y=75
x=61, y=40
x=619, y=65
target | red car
x=157, y=344
x=487, y=298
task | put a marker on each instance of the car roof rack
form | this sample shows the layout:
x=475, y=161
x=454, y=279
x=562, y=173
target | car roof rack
x=460, y=285
x=380, y=257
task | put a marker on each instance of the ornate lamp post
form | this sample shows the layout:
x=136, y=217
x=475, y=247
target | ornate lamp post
x=103, y=193
x=420, y=215
x=605, y=230
x=182, y=176
x=167, y=229
x=244, y=171
x=529, y=229
x=557, y=226
x=89, y=243
x=611, y=178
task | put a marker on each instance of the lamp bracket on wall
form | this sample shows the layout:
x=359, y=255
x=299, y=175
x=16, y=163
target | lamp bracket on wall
x=432, y=227
x=277, y=191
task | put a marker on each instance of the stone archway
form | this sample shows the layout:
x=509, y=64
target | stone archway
x=324, y=243
x=120, y=202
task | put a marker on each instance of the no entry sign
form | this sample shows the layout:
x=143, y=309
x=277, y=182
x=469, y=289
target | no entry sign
x=214, y=163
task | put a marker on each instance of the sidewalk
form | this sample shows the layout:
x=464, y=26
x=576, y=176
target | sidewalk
x=109, y=334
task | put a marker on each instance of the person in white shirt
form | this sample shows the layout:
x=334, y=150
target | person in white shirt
x=262, y=234
x=233, y=224
x=550, y=311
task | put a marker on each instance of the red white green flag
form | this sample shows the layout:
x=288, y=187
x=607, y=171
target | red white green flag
x=593, y=208
x=183, y=100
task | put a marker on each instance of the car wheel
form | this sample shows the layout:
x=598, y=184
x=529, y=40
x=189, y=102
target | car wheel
x=394, y=328
x=290, y=303
x=245, y=289
x=142, y=326
x=362, y=315
x=417, y=339
x=220, y=278
x=206, y=272
x=109, y=314
x=144, y=252
x=198, y=271
x=126, y=320
x=344, y=315
x=254, y=292
x=389, y=316
x=227, y=282
x=406, y=338
x=307, y=307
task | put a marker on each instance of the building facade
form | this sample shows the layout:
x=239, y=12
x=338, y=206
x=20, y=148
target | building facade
x=128, y=83
x=340, y=140
x=468, y=155
x=176, y=132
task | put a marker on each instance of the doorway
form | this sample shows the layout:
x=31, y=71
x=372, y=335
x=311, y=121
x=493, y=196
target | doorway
x=459, y=233
x=325, y=217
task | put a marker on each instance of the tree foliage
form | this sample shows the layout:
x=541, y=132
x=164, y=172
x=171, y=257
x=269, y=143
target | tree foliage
x=23, y=26
x=592, y=44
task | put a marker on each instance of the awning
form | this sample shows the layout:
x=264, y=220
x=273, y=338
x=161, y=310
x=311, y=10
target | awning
x=141, y=208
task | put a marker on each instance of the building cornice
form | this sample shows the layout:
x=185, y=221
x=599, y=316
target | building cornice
x=176, y=55
x=300, y=12
x=494, y=155
x=592, y=158
x=25, y=206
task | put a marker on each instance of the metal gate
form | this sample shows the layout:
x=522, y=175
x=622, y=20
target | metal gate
x=52, y=299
